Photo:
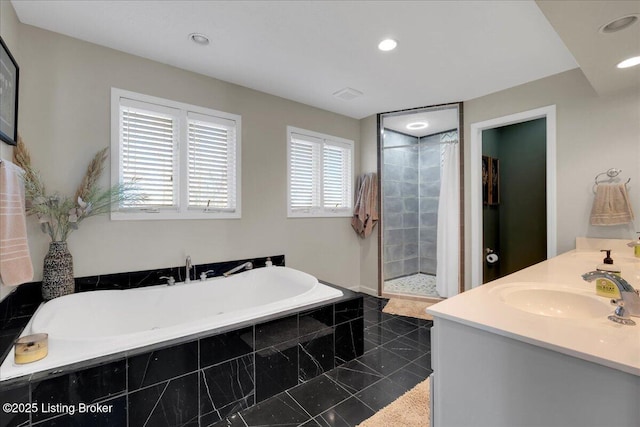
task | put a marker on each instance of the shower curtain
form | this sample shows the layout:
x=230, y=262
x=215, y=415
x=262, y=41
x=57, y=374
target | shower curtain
x=448, y=266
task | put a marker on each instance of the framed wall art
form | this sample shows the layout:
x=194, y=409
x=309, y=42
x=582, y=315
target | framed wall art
x=9, y=79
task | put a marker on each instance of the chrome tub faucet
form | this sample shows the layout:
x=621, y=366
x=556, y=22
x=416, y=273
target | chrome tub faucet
x=187, y=269
x=247, y=266
x=629, y=303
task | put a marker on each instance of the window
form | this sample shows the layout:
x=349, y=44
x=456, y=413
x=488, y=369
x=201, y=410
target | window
x=320, y=174
x=184, y=159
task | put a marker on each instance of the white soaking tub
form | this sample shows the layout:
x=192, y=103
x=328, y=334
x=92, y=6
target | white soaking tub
x=87, y=325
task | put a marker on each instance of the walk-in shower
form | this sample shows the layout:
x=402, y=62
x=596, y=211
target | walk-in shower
x=420, y=194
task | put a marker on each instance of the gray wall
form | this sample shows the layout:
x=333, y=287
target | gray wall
x=65, y=120
x=594, y=133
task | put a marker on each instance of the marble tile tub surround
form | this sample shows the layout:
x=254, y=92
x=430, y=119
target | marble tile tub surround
x=397, y=357
x=201, y=381
x=17, y=308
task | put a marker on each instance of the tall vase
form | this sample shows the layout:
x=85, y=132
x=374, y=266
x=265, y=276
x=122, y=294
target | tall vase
x=57, y=275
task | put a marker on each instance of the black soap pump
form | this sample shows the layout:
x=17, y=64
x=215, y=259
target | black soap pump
x=607, y=264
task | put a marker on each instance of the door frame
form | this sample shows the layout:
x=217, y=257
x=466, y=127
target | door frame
x=548, y=113
x=461, y=142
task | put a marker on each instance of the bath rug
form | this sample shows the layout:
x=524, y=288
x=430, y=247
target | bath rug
x=412, y=409
x=409, y=308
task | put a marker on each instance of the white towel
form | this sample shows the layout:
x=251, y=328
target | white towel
x=611, y=205
x=15, y=261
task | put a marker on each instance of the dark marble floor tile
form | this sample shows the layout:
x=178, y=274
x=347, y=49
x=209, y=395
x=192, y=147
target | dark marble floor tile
x=115, y=414
x=227, y=414
x=422, y=336
x=280, y=410
x=318, y=395
x=225, y=383
x=424, y=361
x=376, y=335
x=85, y=386
x=315, y=354
x=399, y=326
x=422, y=323
x=276, y=369
x=160, y=365
x=382, y=361
x=372, y=303
x=405, y=348
x=420, y=371
x=354, y=376
x=223, y=347
x=311, y=423
x=170, y=404
x=405, y=379
x=234, y=420
x=17, y=395
x=347, y=414
x=375, y=316
x=380, y=394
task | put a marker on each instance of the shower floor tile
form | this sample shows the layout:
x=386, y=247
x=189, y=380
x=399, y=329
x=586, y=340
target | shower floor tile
x=417, y=284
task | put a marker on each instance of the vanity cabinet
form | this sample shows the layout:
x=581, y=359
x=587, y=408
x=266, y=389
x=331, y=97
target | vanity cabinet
x=484, y=378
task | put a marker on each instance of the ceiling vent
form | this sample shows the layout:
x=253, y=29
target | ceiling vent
x=348, y=94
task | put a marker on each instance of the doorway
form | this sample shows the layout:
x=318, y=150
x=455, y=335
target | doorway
x=479, y=255
x=420, y=187
x=514, y=216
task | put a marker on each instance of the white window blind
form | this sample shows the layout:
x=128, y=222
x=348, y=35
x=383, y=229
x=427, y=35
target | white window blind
x=212, y=163
x=320, y=174
x=148, y=152
x=183, y=158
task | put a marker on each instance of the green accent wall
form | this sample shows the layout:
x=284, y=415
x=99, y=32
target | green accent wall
x=490, y=214
x=519, y=223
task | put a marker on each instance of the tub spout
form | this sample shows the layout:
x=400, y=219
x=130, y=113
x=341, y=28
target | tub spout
x=247, y=266
x=187, y=270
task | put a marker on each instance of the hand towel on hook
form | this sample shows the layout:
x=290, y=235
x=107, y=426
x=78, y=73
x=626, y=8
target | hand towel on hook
x=611, y=205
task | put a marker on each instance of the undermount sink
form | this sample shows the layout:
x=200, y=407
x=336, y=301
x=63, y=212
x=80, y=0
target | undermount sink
x=553, y=301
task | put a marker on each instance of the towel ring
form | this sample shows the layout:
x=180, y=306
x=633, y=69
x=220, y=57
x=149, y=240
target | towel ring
x=611, y=173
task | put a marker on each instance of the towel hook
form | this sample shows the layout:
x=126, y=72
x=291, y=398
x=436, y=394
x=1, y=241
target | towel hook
x=611, y=173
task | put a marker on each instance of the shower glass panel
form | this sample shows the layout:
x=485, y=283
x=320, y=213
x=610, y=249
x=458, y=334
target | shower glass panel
x=411, y=163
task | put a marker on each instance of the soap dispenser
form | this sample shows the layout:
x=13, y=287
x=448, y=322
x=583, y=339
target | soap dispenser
x=636, y=246
x=607, y=264
x=605, y=287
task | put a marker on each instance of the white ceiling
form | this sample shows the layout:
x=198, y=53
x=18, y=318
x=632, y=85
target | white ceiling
x=578, y=23
x=305, y=51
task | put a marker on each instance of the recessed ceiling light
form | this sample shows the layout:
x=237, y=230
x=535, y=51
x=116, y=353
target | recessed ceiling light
x=417, y=125
x=387, y=45
x=619, y=24
x=199, y=38
x=631, y=62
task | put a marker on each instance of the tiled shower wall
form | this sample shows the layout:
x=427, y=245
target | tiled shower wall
x=411, y=191
x=400, y=205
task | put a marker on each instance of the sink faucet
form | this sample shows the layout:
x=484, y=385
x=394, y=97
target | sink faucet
x=187, y=269
x=247, y=265
x=629, y=302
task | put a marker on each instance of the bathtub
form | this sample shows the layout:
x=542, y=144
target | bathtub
x=87, y=325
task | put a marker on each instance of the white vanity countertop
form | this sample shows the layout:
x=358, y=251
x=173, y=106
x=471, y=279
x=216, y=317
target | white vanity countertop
x=597, y=340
